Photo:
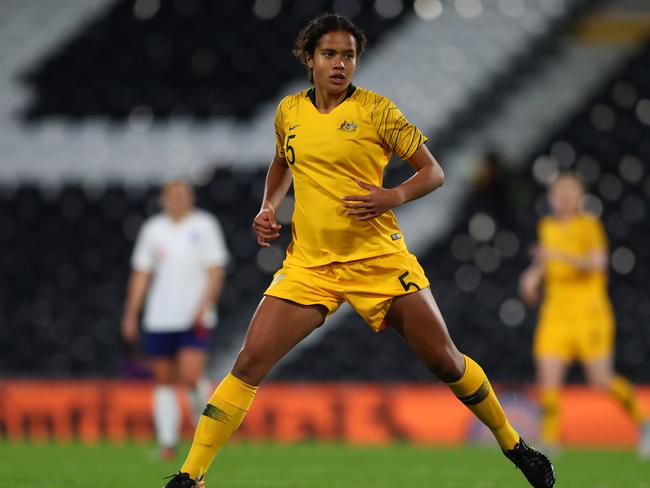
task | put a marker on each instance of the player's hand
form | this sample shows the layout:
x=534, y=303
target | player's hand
x=377, y=201
x=129, y=329
x=266, y=227
x=529, y=289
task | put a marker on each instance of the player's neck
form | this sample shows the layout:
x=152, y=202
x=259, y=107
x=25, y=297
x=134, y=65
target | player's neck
x=565, y=217
x=326, y=102
x=179, y=217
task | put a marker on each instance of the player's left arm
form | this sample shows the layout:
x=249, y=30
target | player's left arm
x=427, y=178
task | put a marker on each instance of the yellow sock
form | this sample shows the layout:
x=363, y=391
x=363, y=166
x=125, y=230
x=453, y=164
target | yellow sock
x=622, y=390
x=550, y=419
x=475, y=391
x=222, y=415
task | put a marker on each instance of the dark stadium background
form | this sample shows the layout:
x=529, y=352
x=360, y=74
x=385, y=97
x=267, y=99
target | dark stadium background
x=102, y=100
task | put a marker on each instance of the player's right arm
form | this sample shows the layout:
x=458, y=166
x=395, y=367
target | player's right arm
x=278, y=181
x=138, y=284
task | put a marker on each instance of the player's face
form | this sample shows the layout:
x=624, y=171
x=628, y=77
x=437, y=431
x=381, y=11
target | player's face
x=565, y=197
x=177, y=199
x=334, y=61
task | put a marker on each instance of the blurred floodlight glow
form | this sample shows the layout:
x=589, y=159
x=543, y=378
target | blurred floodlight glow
x=512, y=312
x=610, y=187
x=564, y=153
x=603, y=118
x=593, y=205
x=643, y=111
x=349, y=8
x=545, y=170
x=512, y=8
x=507, y=243
x=631, y=169
x=468, y=8
x=145, y=9
x=428, y=9
x=468, y=278
x=482, y=227
x=487, y=259
x=633, y=208
x=269, y=259
x=267, y=9
x=623, y=260
x=389, y=8
x=463, y=247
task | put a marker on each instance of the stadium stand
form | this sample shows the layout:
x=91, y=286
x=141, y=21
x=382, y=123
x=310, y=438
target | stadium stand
x=197, y=58
x=67, y=249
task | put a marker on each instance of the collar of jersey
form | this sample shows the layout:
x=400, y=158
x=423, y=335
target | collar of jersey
x=311, y=94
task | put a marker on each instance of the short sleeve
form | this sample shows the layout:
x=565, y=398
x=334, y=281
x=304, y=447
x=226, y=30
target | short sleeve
x=396, y=133
x=143, y=257
x=595, y=235
x=279, y=129
x=215, y=252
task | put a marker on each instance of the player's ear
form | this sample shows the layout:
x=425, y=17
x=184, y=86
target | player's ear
x=309, y=60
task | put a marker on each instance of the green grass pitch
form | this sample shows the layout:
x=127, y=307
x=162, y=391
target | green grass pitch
x=309, y=466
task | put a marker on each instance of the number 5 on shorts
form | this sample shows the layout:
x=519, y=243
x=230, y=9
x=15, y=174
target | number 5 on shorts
x=407, y=284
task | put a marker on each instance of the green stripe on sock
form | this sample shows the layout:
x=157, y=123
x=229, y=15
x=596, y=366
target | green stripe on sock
x=216, y=413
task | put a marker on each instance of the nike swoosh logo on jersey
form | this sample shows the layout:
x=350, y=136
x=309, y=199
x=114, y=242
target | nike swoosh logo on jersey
x=293, y=127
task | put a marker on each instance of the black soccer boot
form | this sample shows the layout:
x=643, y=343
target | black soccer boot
x=183, y=480
x=535, y=466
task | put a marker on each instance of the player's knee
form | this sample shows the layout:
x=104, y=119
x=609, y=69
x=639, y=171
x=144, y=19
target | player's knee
x=446, y=363
x=249, y=367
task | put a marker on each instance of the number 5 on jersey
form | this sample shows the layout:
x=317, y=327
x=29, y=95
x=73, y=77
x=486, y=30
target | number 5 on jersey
x=289, y=152
x=407, y=284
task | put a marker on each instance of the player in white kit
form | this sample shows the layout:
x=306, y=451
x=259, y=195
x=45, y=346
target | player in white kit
x=178, y=265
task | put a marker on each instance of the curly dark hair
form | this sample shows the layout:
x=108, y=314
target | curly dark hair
x=317, y=27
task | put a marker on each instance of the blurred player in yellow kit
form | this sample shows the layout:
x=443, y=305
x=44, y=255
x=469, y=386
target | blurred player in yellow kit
x=333, y=142
x=575, y=319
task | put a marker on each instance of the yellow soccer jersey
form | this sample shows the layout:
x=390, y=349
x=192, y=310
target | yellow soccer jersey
x=326, y=154
x=566, y=286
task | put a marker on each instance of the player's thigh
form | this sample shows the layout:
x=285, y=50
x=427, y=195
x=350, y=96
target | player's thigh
x=191, y=364
x=163, y=369
x=418, y=320
x=599, y=371
x=277, y=326
x=551, y=371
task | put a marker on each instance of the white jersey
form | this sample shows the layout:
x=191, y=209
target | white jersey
x=178, y=254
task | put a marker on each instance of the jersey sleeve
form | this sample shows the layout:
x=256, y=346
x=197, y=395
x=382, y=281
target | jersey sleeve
x=395, y=132
x=279, y=128
x=143, y=257
x=215, y=252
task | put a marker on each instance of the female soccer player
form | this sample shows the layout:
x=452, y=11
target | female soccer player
x=576, y=320
x=333, y=141
x=178, y=266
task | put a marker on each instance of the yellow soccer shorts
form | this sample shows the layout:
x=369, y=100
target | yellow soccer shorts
x=368, y=285
x=579, y=333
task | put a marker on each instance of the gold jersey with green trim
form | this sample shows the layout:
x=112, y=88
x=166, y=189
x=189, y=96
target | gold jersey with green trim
x=327, y=153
